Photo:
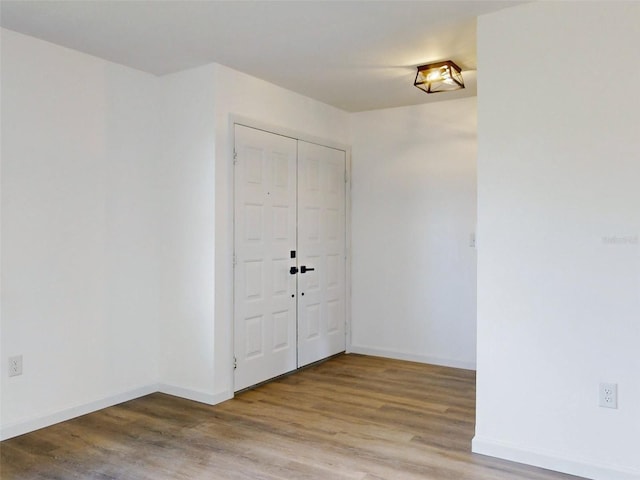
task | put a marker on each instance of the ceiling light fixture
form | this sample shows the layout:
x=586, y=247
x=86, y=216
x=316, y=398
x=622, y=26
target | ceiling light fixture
x=439, y=77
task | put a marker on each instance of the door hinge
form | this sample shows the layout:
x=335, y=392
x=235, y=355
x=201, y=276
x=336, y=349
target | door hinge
x=235, y=363
x=346, y=177
x=234, y=260
x=235, y=157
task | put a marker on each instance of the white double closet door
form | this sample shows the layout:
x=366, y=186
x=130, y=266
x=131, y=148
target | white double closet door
x=289, y=264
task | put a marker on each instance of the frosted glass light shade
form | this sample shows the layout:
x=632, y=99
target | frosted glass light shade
x=439, y=77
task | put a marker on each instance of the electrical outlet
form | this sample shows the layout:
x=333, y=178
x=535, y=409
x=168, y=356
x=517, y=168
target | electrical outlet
x=609, y=395
x=15, y=366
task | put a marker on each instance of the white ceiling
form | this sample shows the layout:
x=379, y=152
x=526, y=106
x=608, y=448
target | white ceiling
x=355, y=55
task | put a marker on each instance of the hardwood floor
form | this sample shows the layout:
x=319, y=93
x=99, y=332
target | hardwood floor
x=352, y=417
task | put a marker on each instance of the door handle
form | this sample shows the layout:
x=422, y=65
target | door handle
x=304, y=269
x=293, y=270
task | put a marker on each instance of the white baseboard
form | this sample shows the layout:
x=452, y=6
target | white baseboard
x=411, y=357
x=22, y=427
x=548, y=460
x=195, y=395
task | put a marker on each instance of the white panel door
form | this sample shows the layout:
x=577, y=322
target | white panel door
x=321, y=246
x=265, y=234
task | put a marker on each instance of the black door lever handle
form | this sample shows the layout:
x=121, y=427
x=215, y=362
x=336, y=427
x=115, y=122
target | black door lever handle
x=304, y=269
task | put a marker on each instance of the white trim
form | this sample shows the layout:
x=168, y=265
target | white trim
x=195, y=395
x=551, y=461
x=286, y=132
x=411, y=357
x=26, y=426
x=233, y=119
x=347, y=263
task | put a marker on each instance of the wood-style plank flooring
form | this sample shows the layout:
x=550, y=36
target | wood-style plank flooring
x=352, y=417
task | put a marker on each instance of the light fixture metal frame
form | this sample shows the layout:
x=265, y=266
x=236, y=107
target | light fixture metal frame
x=455, y=74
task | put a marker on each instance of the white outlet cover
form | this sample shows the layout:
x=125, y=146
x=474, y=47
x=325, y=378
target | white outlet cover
x=608, y=395
x=15, y=366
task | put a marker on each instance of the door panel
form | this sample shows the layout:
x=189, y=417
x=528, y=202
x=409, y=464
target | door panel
x=265, y=326
x=321, y=246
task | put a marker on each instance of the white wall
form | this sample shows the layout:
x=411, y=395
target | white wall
x=559, y=220
x=196, y=182
x=117, y=225
x=110, y=209
x=242, y=95
x=186, y=185
x=78, y=253
x=413, y=210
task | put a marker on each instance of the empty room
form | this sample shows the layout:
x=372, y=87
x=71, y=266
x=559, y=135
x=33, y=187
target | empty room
x=320, y=240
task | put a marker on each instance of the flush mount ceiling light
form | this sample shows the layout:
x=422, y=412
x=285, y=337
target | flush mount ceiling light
x=439, y=77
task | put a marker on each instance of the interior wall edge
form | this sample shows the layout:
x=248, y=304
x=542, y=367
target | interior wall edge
x=36, y=423
x=551, y=461
x=411, y=357
x=195, y=395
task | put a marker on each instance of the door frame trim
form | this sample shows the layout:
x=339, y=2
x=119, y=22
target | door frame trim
x=235, y=119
